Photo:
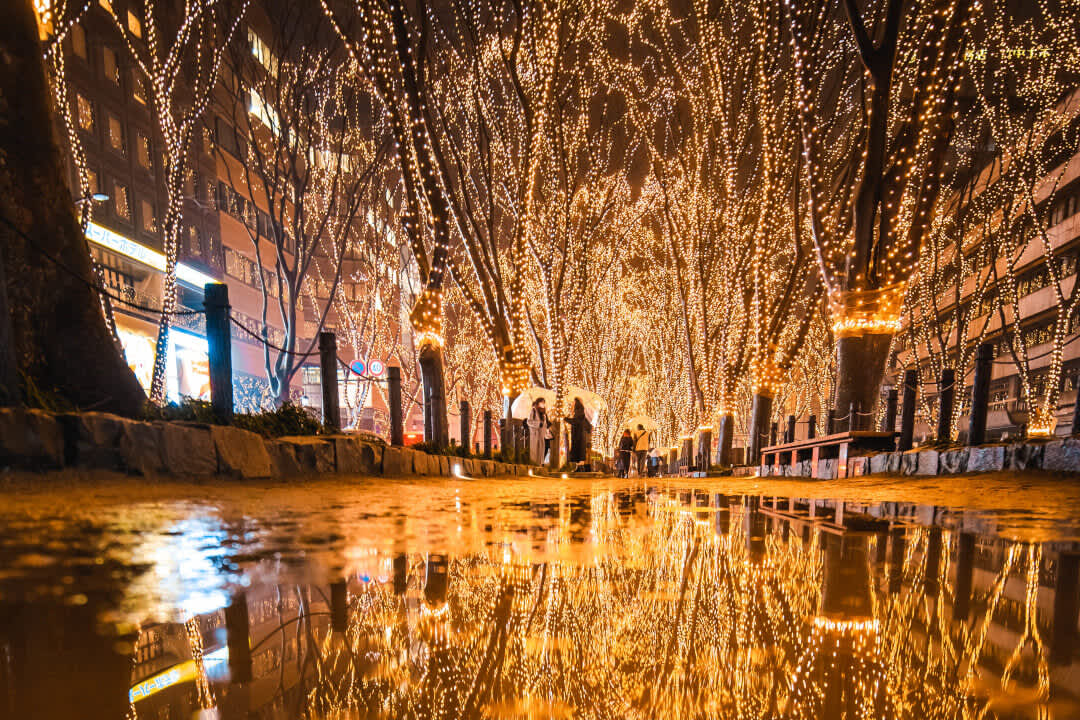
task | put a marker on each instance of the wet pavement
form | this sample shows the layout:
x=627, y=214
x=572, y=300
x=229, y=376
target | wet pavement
x=432, y=598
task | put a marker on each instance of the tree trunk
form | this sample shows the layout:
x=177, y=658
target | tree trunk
x=860, y=370
x=723, y=450
x=760, y=412
x=61, y=343
x=436, y=427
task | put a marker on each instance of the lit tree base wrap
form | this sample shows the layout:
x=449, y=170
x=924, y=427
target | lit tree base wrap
x=426, y=319
x=866, y=321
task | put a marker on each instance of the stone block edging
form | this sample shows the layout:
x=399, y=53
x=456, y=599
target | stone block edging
x=35, y=440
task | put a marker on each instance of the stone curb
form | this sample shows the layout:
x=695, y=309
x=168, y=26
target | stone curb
x=1057, y=455
x=36, y=440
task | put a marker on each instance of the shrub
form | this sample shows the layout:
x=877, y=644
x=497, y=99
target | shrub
x=289, y=419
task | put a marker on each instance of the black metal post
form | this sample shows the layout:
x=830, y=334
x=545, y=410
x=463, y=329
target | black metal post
x=397, y=424
x=219, y=349
x=890, y=411
x=853, y=417
x=466, y=425
x=238, y=639
x=790, y=432
x=487, y=433
x=774, y=431
x=830, y=422
x=907, y=414
x=980, y=394
x=328, y=375
x=946, y=391
x=811, y=427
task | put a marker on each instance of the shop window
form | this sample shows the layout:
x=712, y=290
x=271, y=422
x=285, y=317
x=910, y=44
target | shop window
x=138, y=86
x=110, y=65
x=122, y=201
x=78, y=41
x=149, y=219
x=144, y=151
x=116, y=135
x=84, y=109
x=134, y=26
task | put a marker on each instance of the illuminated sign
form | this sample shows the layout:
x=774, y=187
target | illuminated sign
x=184, y=672
x=377, y=368
x=126, y=246
x=358, y=367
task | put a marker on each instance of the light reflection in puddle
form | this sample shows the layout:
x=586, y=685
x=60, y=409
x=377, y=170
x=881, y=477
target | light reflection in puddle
x=601, y=603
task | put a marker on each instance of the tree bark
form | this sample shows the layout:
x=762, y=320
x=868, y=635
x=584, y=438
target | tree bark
x=860, y=370
x=436, y=425
x=61, y=343
x=760, y=411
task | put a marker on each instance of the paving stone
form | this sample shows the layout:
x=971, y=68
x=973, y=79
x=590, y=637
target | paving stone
x=241, y=453
x=397, y=461
x=187, y=450
x=313, y=454
x=953, y=462
x=986, y=458
x=927, y=463
x=30, y=439
x=1023, y=456
x=1062, y=455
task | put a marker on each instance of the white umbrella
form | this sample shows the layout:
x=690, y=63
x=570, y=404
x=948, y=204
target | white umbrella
x=523, y=403
x=644, y=421
x=594, y=404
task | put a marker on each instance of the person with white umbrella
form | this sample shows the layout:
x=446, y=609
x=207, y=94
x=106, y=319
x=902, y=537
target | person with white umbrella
x=539, y=431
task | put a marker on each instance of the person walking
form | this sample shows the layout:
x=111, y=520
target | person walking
x=580, y=435
x=641, y=448
x=626, y=450
x=539, y=431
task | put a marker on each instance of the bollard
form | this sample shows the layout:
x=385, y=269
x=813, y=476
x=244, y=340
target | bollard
x=238, y=639
x=890, y=412
x=853, y=417
x=397, y=426
x=219, y=349
x=790, y=433
x=466, y=424
x=1066, y=589
x=811, y=427
x=504, y=441
x=487, y=433
x=328, y=365
x=907, y=415
x=965, y=558
x=946, y=391
x=774, y=430
x=339, y=603
x=980, y=394
x=830, y=422
x=723, y=450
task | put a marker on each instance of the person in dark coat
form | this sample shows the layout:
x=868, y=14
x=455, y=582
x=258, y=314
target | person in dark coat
x=580, y=434
x=626, y=451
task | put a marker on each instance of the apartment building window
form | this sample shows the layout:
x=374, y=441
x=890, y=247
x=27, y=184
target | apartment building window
x=145, y=153
x=110, y=65
x=1065, y=206
x=116, y=135
x=262, y=53
x=207, y=140
x=78, y=41
x=149, y=218
x=208, y=194
x=138, y=86
x=92, y=181
x=84, y=110
x=194, y=241
x=134, y=26
x=121, y=201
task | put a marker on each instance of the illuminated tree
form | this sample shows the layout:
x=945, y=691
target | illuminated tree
x=304, y=161
x=49, y=314
x=876, y=94
x=180, y=56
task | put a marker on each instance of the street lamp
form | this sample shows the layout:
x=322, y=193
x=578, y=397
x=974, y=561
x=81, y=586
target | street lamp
x=96, y=197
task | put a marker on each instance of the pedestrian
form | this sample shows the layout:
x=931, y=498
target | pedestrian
x=626, y=449
x=641, y=448
x=539, y=431
x=580, y=435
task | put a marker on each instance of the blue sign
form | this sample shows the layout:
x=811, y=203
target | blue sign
x=358, y=367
